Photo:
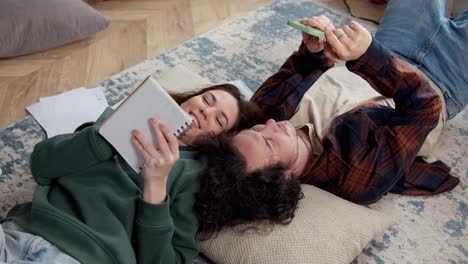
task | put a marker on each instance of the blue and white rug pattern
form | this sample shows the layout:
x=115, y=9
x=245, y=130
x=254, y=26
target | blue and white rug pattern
x=250, y=48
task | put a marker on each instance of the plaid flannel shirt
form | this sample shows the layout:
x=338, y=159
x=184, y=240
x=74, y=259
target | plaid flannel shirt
x=370, y=150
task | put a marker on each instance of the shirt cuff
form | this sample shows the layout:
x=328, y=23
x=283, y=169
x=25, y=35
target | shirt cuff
x=153, y=215
x=313, y=59
x=375, y=57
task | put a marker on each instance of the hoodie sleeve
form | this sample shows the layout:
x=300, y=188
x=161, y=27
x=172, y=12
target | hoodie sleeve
x=166, y=233
x=66, y=154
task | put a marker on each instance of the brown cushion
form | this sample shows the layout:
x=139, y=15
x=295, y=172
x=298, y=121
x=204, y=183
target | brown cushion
x=27, y=26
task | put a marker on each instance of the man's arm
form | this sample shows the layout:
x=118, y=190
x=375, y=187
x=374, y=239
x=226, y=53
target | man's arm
x=401, y=135
x=280, y=94
x=415, y=100
x=369, y=149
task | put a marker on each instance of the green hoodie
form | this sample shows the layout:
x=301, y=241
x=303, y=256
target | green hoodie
x=89, y=204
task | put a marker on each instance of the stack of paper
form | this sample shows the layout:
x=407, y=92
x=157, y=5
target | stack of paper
x=63, y=113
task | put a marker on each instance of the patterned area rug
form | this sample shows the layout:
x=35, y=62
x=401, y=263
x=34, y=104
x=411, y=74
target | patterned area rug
x=250, y=48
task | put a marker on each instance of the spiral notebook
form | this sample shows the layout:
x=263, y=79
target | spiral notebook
x=148, y=100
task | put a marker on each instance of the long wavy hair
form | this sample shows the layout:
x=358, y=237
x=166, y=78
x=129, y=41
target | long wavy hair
x=229, y=196
x=250, y=113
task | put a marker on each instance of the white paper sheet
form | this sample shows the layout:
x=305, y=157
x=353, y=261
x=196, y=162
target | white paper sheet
x=63, y=113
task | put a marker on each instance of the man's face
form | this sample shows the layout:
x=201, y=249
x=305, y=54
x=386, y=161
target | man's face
x=268, y=144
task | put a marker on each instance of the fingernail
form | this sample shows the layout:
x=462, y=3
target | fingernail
x=153, y=120
x=136, y=132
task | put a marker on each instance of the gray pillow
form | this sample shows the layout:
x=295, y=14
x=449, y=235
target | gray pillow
x=27, y=26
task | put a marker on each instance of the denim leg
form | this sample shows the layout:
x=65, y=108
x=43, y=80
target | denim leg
x=20, y=247
x=446, y=62
x=418, y=33
x=2, y=246
x=407, y=26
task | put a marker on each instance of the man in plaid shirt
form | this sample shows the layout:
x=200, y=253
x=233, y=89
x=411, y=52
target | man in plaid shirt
x=363, y=153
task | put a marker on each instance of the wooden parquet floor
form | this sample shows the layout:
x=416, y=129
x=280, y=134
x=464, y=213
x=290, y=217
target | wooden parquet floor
x=139, y=29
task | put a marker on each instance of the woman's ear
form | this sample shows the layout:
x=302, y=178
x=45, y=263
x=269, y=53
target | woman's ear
x=289, y=173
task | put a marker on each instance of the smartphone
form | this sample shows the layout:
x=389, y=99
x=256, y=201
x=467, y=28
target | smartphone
x=309, y=30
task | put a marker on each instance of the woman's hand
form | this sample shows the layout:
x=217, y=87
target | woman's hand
x=314, y=44
x=158, y=162
x=348, y=43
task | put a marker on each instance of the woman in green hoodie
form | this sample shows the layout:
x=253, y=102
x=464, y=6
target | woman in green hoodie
x=92, y=207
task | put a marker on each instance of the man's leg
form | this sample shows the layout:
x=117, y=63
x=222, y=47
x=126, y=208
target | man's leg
x=419, y=33
x=408, y=25
x=447, y=62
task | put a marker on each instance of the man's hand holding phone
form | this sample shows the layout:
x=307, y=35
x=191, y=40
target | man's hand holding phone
x=339, y=44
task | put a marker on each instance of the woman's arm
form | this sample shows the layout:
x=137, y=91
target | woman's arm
x=164, y=231
x=66, y=154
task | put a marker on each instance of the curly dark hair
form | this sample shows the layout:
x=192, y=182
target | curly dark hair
x=229, y=196
x=250, y=113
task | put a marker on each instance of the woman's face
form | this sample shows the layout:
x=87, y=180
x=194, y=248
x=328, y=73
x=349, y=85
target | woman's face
x=214, y=111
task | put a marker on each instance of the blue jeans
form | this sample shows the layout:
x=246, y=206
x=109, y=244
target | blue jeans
x=20, y=247
x=418, y=32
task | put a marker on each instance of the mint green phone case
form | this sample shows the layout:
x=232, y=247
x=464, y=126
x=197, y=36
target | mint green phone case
x=309, y=30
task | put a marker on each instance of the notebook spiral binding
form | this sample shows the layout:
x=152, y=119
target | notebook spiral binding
x=181, y=130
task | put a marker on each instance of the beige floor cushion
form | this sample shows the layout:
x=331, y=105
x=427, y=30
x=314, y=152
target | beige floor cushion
x=326, y=229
